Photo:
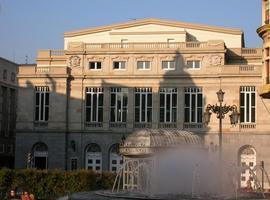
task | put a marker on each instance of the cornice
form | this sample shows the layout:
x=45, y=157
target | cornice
x=153, y=21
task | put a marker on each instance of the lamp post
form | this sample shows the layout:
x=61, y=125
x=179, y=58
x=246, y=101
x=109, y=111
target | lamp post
x=221, y=110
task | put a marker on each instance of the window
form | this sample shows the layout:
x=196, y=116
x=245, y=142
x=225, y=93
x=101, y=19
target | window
x=193, y=64
x=42, y=103
x=119, y=102
x=115, y=158
x=74, y=164
x=143, y=104
x=13, y=77
x=193, y=105
x=247, y=104
x=93, y=157
x=119, y=65
x=168, y=103
x=143, y=65
x=5, y=74
x=94, y=105
x=168, y=65
x=94, y=65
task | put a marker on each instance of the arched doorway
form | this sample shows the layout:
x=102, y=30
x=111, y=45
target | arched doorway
x=116, y=160
x=93, y=157
x=247, y=157
x=40, y=156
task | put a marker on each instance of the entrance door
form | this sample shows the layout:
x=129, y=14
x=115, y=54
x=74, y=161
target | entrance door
x=247, y=158
x=40, y=162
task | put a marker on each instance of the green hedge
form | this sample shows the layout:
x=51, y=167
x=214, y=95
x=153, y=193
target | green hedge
x=52, y=184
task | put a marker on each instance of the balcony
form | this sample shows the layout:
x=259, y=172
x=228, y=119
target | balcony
x=89, y=47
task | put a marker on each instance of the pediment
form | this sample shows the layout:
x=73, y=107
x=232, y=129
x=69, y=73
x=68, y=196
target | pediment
x=152, y=25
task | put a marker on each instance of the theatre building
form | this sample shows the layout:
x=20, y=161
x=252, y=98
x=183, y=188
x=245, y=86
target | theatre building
x=75, y=105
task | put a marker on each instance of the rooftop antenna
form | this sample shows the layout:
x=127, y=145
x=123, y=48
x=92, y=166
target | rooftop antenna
x=26, y=59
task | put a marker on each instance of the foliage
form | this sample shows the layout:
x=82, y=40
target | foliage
x=52, y=184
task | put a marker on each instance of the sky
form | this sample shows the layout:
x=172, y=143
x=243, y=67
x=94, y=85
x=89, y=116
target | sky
x=27, y=26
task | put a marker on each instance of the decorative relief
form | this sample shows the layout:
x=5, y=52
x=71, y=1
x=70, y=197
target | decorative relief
x=96, y=58
x=168, y=58
x=194, y=57
x=215, y=60
x=74, y=61
x=145, y=58
x=120, y=58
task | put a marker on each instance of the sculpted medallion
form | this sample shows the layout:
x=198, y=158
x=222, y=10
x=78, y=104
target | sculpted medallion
x=74, y=61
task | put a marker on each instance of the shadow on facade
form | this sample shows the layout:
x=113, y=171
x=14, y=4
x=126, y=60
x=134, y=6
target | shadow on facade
x=83, y=121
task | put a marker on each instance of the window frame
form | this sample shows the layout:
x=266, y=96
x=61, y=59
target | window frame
x=120, y=65
x=247, y=92
x=168, y=65
x=119, y=114
x=96, y=65
x=143, y=65
x=168, y=92
x=193, y=114
x=95, y=93
x=194, y=64
x=143, y=92
x=43, y=93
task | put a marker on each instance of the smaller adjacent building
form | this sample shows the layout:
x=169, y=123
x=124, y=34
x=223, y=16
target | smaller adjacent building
x=8, y=104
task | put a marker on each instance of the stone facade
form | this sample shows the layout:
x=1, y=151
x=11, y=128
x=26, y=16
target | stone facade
x=8, y=101
x=204, y=57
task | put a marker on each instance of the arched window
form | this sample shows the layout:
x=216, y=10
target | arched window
x=115, y=158
x=247, y=157
x=40, y=156
x=93, y=157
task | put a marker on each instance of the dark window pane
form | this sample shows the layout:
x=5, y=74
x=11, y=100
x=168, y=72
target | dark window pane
x=174, y=100
x=186, y=114
x=112, y=114
x=199, y=115
x=88, y=99
x=174, y=116
x=137, y=99
x=253, y=99
x=242, y=114
x=113, y=100
x=162, y=96
x=37, y=114
x=37, y=99
x=100, y=114
x=242, y=99
x=88, y=111
x=100, y=100
x=137, y=114
x=125, y=99
x=114, y=162
x=47, y=99
x=247, y=108
x=149, y=115
x=161, y=115
x=253, y=115
x=187, y=104
x=46, y=113
x=97, y=161
x=149, y=100
x=199, y=100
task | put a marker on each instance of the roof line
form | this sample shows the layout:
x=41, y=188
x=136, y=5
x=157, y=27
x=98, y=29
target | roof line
x=154, y=21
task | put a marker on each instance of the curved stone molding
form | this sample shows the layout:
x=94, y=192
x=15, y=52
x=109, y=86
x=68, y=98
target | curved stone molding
x=96, y=58
x=120, y=58
x=144, y=58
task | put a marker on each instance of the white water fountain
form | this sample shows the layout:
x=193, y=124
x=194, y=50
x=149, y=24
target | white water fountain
x=172, y=164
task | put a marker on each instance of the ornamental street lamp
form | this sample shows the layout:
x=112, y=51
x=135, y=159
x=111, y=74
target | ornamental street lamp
x=221, y=110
